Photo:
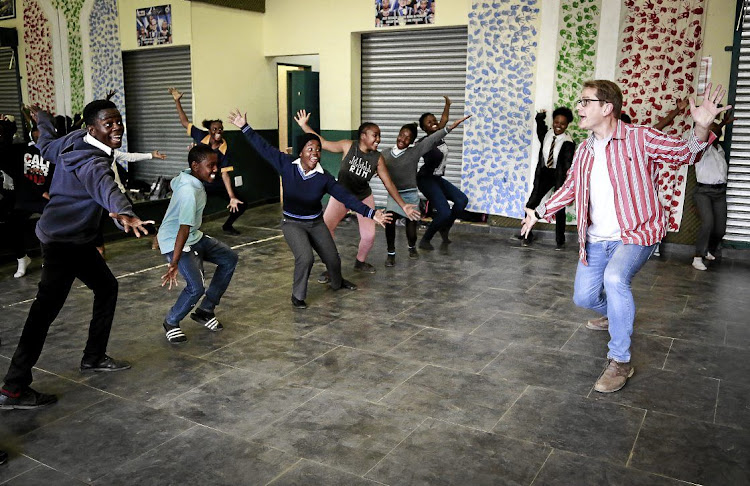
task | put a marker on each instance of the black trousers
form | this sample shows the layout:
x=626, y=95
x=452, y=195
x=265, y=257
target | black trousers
x=216, y=190
x=63, y=263
x=542, y=184
x=390, y=232
x=711, y=201
x=303, y=237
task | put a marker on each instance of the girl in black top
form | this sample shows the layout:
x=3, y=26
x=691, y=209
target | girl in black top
x=361, y=161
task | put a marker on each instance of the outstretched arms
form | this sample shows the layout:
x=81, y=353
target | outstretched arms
x=410, y=210
x=176, y=95
x=667, y=119
x=339, y=146
x=268, y=152
x=705, y=113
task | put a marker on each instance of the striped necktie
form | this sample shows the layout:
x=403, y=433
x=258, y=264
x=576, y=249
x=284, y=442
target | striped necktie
x=551, y=156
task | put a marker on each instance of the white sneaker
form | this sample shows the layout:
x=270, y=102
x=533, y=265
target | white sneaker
x=657, y=250
x=23, y=263
x=698, y=264
x=710, y=257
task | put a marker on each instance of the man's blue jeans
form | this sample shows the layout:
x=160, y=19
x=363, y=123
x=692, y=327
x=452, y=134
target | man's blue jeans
x=190, y=267
x=604, y=286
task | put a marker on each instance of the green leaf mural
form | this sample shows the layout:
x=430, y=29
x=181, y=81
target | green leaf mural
x=72, y=11
x=579, y=28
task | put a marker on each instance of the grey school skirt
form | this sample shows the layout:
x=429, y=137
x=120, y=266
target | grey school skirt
x=410, y=196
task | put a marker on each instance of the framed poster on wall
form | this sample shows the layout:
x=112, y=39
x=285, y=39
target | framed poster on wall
x=389, y=13
x=154, y=25
x=7, y=9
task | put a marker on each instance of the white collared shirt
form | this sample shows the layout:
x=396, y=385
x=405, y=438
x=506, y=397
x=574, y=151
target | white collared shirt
x=96, y=143
x=547, y=145
x=318, y=168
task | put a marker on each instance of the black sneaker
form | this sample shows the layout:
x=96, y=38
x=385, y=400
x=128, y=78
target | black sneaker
x=390, y=260
x=413, y=253
x=25, y=400
x=444, y=236
x=3, y=457
x=207, y=319
x=324, y=278
x=298, y=304
x=104, y=364
x=560, y=247
x=345, y=284
x=174, y=334
x=363, y=267
x=425, y=245
x=230, y=230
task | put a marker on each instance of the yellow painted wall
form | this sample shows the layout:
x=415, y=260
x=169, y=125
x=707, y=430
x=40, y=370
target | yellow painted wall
x=331, y=28
x=719, y=33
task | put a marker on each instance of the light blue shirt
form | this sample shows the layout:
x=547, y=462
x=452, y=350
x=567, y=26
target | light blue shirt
x=185, y=207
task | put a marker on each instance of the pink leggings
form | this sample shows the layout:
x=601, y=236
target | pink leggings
x=335, y=212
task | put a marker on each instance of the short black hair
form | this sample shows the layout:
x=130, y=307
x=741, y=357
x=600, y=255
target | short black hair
x=364, y=127
x=92, y=110
x=412, y=127
x=625, y=118
x=566, y=112
x=207, y=123
x=421, y=119
x=199, y=153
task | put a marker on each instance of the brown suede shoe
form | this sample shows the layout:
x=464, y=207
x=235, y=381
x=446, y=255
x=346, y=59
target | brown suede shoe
x=614, y=377
x=599, y=324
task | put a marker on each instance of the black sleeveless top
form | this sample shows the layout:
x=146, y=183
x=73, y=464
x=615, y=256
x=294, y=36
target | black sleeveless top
x=357, y=168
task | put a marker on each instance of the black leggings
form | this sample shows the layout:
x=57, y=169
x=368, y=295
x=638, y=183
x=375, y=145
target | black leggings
x=390, y=232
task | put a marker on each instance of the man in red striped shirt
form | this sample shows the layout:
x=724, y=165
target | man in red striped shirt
x=619, y=217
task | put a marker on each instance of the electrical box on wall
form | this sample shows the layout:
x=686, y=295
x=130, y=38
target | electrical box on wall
x=237, y=181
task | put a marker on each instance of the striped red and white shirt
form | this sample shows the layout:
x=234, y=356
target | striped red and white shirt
x=631, y=157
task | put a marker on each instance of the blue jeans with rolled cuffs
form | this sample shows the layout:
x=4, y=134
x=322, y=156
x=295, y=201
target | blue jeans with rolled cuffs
x=190, y=267
x=604, y=286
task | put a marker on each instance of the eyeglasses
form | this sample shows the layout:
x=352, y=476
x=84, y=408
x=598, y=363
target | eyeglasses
x=585, y=101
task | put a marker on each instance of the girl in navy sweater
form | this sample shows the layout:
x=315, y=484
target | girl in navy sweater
x=304, y=183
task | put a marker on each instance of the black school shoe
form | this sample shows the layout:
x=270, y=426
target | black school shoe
x=104, y=364
x=3, y=457
x=230, y=230
x=345, y=284
x=26, y=400
x=207, y=319
x=174, y=334
x=298, y=304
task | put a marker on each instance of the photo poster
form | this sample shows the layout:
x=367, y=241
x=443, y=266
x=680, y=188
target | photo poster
x=7, y=9
x=154, y=25
x=390, y=13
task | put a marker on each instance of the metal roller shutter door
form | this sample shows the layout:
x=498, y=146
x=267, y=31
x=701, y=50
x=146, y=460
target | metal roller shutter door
x=9, y=102
x=152, y=121
x=738, y=182
x=405, y=74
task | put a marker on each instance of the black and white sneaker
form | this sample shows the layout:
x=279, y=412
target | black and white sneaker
x=174, y=334
x=208, y=319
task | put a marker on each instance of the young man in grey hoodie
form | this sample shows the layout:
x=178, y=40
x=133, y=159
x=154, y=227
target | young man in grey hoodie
x=82, y=188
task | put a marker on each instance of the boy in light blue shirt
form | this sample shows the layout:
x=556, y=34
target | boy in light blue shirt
x=186, y=247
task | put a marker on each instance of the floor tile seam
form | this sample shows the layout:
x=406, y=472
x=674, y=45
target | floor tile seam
x=283, y=417
x=204, y=356
x=716, y=405
x=471, y=333
x=664, y=363
x=37, y=466
x=635, y=440
x=177, y=397
x=660, y=475
x=463, y=426
x=148, y=450
x=389, y=350
x=7, y=306
x=286, y=375
x=380, y=400
x=722, y=346
x=494, y=359
x=509, y=408
x=282, y=473
x=395, y=447
x=533, y=480
x=580, y=325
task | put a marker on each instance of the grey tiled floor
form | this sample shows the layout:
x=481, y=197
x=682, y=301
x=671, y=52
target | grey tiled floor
x=467, y=366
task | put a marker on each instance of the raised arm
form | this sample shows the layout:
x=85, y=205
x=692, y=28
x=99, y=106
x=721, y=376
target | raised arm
x=268, y=152
x=409, y=209
x=541, y=125
x=446, y=113
x=434, y=139
x=48, y=143
x=339, y=146
x=183, y=117
x=667, y=119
